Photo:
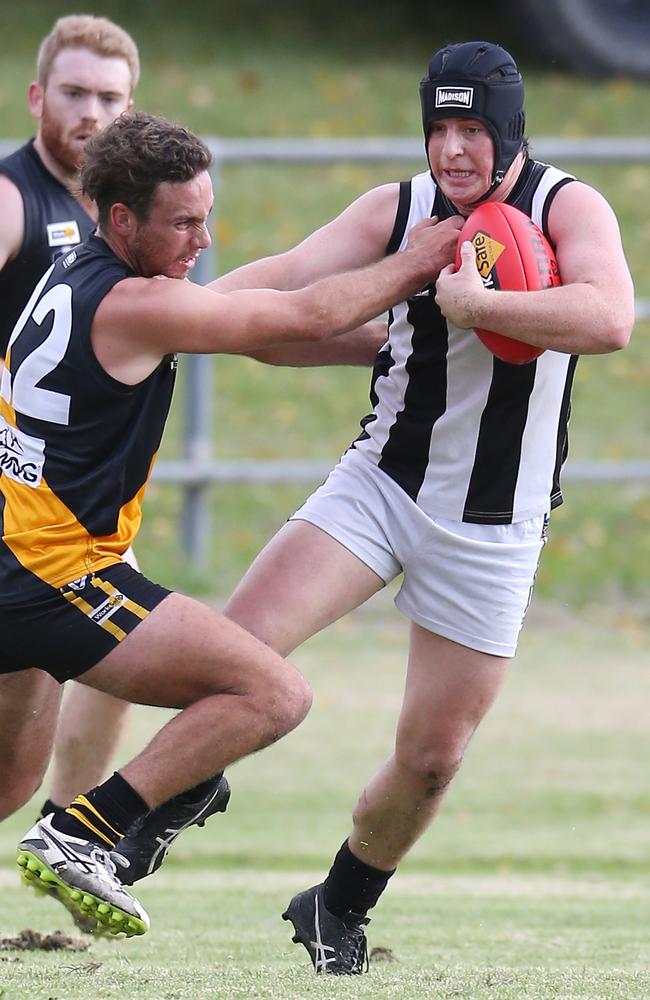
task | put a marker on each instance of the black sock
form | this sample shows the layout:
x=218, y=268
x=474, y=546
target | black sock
x=198, y=792
x=104, y=814
x=352, y=884
x=49, y=807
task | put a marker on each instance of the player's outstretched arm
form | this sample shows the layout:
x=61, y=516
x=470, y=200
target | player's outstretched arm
x=143, y=319
x=357, y=237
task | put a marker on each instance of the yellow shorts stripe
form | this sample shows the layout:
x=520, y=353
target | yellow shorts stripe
x=78, y=602
x=89, y=611
x=135, y=609
x=114, y=629
x=127, y=603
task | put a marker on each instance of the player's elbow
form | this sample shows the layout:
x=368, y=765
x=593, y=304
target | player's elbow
x=610, y=325
x=618, y=340
x=618, y=331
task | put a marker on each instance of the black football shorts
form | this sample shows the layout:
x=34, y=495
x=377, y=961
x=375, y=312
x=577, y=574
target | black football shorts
x=67, y=631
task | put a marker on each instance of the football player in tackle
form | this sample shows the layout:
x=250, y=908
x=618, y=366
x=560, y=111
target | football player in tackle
x=86, y=72
x=85, y=393
x=452, y=478
x=456, y=469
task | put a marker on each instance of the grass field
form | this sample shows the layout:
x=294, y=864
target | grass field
x=532, y=884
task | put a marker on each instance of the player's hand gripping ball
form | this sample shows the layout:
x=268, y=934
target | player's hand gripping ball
x=512, y=254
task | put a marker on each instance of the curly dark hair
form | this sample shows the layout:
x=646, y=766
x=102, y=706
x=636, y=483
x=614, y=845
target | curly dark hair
x=129, y=159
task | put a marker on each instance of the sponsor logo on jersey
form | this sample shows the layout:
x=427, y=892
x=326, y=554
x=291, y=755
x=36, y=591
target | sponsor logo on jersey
x=488, y=251
x=78, y=584
x=63, y=234
x=21, y=456
x=454, y=97
x=70, y=259
x=107, y=607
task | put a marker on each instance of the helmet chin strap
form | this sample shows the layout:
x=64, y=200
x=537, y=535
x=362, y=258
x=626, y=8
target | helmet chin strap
x=497, y=181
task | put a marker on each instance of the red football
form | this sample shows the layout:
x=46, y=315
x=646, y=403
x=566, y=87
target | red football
x=512, y=254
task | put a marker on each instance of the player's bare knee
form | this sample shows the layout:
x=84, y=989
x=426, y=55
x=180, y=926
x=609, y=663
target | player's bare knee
x=300, y=701
x=292, y=698
x=285, y=703
x=433, y=768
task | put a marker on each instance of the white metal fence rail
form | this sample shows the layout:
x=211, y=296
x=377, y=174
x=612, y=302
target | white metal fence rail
x=196, y=471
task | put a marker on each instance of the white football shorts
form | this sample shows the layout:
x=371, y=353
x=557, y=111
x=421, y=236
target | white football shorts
x=468, y=582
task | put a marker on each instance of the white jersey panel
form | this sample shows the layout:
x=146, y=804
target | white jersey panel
x=391, y=389
x=539, y=441
x=538, y=449
x=550, y=178
x=451, y=462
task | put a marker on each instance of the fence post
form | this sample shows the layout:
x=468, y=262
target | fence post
x=198, y=425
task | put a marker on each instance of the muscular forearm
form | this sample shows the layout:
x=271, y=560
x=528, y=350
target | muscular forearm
x=356, y=347
x=574, y=319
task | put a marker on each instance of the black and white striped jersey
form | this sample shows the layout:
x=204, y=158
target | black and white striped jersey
x=468, y=437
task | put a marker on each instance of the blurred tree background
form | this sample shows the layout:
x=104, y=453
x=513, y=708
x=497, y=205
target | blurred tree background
x=254, y=69
x=199, y=56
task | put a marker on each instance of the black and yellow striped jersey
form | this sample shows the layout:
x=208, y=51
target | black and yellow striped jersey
x=76, y=445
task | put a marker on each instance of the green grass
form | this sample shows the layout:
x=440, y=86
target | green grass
x=531, y=884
